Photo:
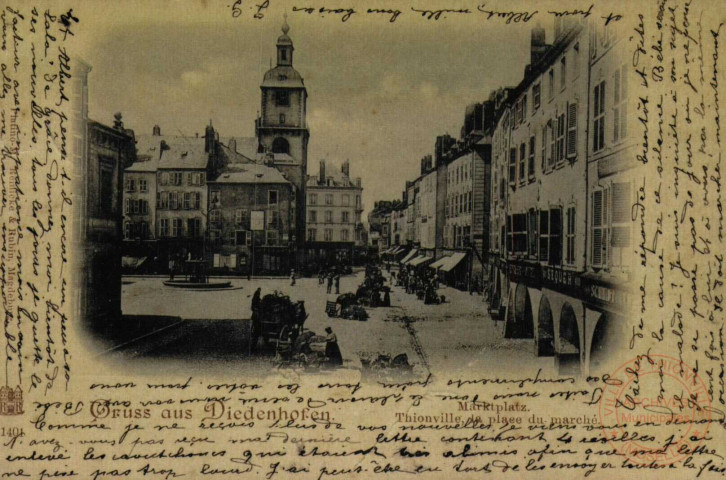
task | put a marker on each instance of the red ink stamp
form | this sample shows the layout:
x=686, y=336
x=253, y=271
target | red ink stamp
x=655, y=410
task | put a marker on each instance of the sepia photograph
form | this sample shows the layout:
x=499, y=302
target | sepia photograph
x=364, y=206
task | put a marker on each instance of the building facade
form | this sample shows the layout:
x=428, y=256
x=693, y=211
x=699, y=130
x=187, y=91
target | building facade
x=334, y=206
x=561, y=198
x=251, y=218
x=109, y=151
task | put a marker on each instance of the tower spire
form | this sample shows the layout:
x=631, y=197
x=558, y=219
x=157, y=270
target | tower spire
x=285, y=26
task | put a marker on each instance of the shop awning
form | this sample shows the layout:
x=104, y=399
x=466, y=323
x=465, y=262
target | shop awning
x=410, y=255
x=420, y=260
x=453, y=261
x=441, y=261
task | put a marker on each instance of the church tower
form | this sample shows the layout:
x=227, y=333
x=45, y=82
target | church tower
x=281, y=128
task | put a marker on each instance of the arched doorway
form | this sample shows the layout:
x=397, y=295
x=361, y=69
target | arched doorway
x=603, y=341
x=545, y=340
x=280, y=145
x=568, y=354
x=521, y=324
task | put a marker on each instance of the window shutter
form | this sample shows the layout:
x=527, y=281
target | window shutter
x=572, y=130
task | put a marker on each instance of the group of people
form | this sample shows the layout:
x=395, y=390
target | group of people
x=423, y=282
x=330, y=276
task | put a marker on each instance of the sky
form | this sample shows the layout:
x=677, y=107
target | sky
x=379, y=92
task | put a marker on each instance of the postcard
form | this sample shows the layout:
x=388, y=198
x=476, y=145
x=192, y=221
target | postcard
x=314, y=239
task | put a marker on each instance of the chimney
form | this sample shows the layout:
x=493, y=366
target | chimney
x=233, y=145
x=322, y=178
x=346, y=168
x=118, y=122
x=538, y=47
x=358, y=182
x=156, y=131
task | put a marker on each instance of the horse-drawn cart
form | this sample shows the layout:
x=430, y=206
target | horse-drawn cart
x=278, y=319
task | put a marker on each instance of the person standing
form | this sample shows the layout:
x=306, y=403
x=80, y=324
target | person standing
x=330, y=282
x=171, y=268
x=337, y=283
x=332, y=350
x=292, y=278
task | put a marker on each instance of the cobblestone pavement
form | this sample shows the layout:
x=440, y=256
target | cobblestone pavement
x=455, y=338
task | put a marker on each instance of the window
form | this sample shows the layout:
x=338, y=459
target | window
x=313, y=216
x=271, y=237
x=551, y=85
x=560, y=147
x=518, y=231
x=127, y=205
x=194, y=227
x=328, y=235
x=143, y=186
x=532, y=233
x=329, y=199
x=197, y=200
x=282, y=98
x=240, y=238
x=530, y=166
x=164, y=227
x=563, y=72
x=176, y=227
x=239, y=216
x=344, y=235
x=231, y=237
x=272, y=197
x=312, y=234
x=127, y=231
x=163, y=178
x=544, y=235
x=621, y=219
x=313, y=199
x=357, y=202
x=524, y=107
x=280, y=145
x=470, y=201
x=214, y=216
x=187, y=200
x=536, y=97
x=550, y=236
x=572, y=130
x=163, y=200
x=273, y=218
x=598, y=129
x=175, y=178
x=522, y=159
x=543, y=159
x=328, y=216
x=512, y=166
x=619, y=104
x=570, y=237
x=173, y=205
x=345, y=217
x=282, y=119
x=599, y=227
x=346, y=200
x=130, y=185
